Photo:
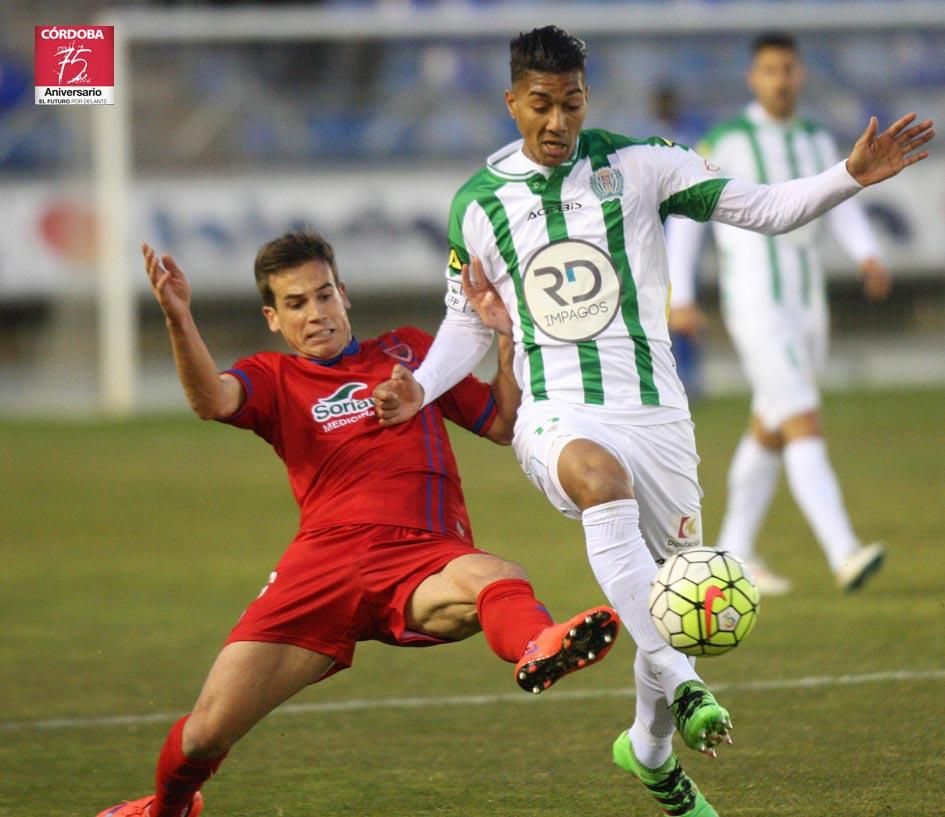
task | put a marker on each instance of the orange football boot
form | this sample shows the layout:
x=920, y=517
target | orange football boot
x=567, y=647
x=140, y=808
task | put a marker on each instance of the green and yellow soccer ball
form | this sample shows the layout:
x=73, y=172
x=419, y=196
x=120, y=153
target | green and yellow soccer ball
x=704, y=601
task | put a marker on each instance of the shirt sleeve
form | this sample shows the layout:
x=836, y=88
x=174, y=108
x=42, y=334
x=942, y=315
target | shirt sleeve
x=462, y=340
x=258, y=412
x=459, y=255
x=470, y=404
x=688, y=184
x=694, y=187
x=684, y=240
x=460, y=344
x=778, y=208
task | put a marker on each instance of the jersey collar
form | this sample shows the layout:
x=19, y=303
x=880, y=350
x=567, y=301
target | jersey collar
x=351, y=349
x=757, y=114
x=510, y=162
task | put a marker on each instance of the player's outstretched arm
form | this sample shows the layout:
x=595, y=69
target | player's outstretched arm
x=507, y=394
x=211, y=395
x=783, y=206
x=880, y=155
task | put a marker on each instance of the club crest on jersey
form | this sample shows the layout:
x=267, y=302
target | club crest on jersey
x=342, y=407
x=401, y=352
x=607, y=183
x=572, y=290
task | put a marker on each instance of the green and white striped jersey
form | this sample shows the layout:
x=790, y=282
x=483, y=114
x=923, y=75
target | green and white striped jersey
x=577, y=254
x=762, y=271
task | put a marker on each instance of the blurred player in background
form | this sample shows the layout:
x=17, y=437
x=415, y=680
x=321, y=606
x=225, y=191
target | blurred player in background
x=568, y=226
x=774, y=307
x=384, y=551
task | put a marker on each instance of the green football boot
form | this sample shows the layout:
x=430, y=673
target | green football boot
x=699, y=718
x=672, y=788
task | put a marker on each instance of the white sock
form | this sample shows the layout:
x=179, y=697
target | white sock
x=752, y=478
x=652, y=732
x=817, y=493
x=625, y=571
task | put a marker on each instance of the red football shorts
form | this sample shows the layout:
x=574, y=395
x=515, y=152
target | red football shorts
x=337, y=586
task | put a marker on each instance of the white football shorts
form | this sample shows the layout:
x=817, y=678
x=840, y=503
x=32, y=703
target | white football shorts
x=661, y=460
x=782, y=355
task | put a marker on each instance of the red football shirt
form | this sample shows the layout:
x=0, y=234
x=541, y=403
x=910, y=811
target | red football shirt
x=342, y=465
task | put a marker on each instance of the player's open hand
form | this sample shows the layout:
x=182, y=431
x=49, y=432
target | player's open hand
x=878, y=156
x=168, y=283
x=482, y=297
x=398, y=399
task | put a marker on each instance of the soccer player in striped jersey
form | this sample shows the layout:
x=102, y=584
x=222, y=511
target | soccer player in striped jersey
x=775, y=309
x=567, y=225
x=384, y=549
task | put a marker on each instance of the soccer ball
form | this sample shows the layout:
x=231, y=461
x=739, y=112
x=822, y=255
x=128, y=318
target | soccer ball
x=704, y=601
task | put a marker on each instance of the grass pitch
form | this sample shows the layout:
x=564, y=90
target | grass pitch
x=129, y=550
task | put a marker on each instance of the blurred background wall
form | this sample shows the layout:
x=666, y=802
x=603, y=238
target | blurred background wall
x=361, y=118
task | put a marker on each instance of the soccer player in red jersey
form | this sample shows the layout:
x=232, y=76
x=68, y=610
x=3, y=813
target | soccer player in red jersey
x=384, y=549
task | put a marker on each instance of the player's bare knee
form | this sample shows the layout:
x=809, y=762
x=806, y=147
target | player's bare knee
x=591, y=475
x=203, y=738
x=801, y=426
x=772, y=440
x=468, y=575
x=500, y=569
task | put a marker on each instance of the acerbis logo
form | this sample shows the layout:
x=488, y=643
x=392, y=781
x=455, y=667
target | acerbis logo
x=572, y=290
x=563, y=207
x=342, y=404
x=72, y=34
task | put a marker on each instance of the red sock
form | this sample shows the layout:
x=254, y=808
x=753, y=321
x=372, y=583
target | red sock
x=511, y=616
x=179, y=777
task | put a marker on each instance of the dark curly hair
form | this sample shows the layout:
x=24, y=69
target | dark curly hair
x=549, y=50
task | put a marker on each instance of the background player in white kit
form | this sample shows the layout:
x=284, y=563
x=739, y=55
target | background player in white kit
x=774, y=307
x=568, y=227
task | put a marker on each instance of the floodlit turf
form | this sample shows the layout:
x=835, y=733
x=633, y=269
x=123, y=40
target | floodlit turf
x=129, y=549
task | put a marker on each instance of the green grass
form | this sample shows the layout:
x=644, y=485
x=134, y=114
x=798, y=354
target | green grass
x=129, y=549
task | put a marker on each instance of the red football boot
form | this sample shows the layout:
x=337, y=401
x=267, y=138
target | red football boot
x=139, y=808
x=567, y=647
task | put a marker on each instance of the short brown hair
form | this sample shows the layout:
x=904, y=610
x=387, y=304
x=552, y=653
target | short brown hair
x=774, y=39
x=287, y=252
